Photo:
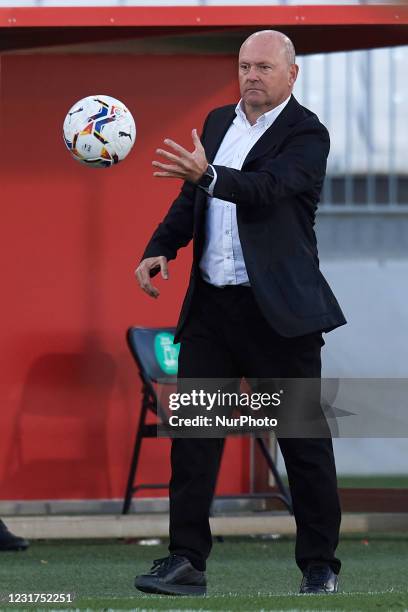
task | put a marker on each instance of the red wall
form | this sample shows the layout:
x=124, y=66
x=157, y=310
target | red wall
x=71, y=237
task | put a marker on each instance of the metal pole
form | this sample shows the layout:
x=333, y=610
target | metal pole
x=327, y=189
x=392, y=109
x=348, y=184
x=370, y=177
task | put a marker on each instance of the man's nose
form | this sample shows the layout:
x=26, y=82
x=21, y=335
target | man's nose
x=252, y=74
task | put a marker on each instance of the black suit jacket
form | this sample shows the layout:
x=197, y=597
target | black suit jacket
x=276, y=193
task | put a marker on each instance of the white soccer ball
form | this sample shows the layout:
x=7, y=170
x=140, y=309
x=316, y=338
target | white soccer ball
x=99, y=131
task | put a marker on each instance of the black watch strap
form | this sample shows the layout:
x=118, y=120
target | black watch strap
x=207, y=178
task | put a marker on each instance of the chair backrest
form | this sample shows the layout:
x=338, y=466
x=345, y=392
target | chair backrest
x=155, y=353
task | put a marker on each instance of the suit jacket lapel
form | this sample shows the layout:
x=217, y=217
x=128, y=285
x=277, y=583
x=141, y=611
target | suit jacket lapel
x=215, y=137
x=211, y=144
x=278, y=130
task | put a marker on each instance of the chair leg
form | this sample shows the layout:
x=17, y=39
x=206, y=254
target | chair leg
x=135, y=457
x=284, y=493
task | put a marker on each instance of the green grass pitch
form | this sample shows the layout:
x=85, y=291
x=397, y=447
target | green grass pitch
x=245, y=574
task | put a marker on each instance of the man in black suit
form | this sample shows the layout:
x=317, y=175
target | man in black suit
x=257, y=303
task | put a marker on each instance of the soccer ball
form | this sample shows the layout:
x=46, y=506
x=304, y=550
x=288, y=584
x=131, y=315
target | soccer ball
x=99, y=131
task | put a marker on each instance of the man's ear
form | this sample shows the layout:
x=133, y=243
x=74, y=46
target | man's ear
x=293, y=73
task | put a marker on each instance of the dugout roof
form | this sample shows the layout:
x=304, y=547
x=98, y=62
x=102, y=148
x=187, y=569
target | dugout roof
x=196, y=29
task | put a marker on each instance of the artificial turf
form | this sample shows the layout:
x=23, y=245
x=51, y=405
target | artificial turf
x=243, y=574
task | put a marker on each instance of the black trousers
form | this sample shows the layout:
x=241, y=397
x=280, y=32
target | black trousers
x=226, y=336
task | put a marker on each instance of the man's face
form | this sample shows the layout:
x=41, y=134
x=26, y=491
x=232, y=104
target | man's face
x=265, y=77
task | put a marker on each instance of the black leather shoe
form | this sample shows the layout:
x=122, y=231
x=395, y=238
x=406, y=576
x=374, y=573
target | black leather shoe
x=319, y=578
x=172, y=575
x=8, y=541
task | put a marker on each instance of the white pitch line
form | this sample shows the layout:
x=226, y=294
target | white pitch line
x=248, y=595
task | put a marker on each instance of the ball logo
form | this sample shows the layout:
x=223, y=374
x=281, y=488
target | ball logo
x=124, y=134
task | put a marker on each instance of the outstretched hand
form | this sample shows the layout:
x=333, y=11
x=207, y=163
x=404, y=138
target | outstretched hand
x=184, y=165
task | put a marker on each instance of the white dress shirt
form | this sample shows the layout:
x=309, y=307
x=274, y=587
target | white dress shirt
x=222, y=262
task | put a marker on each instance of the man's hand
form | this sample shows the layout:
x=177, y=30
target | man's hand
x=185, y=165
x=142, y=273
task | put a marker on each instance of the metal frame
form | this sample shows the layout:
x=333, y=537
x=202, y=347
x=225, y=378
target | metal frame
x=149, y=430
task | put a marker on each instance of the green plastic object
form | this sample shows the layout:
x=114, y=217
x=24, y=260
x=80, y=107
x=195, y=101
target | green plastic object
x=166, y=352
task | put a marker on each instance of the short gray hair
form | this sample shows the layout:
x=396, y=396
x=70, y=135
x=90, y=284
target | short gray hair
x=289, y=50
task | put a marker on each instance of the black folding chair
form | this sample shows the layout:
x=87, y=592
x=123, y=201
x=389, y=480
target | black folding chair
x=156, y=358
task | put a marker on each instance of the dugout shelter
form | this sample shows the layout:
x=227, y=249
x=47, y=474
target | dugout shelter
x=72, y=236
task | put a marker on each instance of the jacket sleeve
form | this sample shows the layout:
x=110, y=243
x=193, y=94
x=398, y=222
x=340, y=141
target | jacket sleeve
x=176, y=229
x=294, y=170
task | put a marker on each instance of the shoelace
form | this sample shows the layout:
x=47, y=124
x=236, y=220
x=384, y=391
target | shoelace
x=160, y=566
x=316, y=575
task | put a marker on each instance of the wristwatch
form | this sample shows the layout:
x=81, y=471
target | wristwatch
x=207, y=178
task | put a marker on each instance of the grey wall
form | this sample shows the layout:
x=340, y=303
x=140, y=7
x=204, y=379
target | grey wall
x=364, y=257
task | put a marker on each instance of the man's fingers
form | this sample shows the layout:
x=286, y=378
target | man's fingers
x=169, y=167
x=163, y=267
x=168, y=175
x=143, y=272
x=186, y=166
x=143, y=278
x=168, y=155
x=149, y=289
x=176, y=147
x=196, y=139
